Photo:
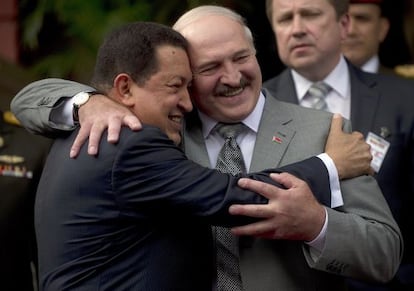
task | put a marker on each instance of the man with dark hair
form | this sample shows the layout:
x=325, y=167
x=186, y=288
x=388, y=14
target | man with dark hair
x=136, y=217
x=368, y=27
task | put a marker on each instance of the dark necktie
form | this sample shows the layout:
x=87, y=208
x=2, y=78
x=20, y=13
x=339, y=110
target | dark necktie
x=317, y=94
x=229, y=160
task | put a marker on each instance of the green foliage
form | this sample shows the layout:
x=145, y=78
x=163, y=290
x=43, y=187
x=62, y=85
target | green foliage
x=62, y=36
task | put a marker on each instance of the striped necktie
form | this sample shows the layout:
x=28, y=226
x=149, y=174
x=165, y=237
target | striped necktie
x=317, y=94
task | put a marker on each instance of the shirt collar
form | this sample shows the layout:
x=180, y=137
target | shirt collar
x=372, y=65
x=252, y=121
x=338, y=79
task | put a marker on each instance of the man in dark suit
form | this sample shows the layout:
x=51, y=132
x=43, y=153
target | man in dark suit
x=368, y=28
x=379, y=106
x=227, y=76
x=137, y=216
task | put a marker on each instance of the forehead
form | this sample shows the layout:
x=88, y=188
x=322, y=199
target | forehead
x=173, y=60
x=283, y=6
x=214, y=33
x=364, y=9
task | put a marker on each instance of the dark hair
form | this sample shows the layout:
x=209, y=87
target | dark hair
x=131, y=49
x=340, y=6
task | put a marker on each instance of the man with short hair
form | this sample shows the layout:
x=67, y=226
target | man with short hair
x=368, y=27
x=309, y=34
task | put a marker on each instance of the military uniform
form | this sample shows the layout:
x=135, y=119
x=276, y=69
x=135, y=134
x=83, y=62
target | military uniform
x=22, y=156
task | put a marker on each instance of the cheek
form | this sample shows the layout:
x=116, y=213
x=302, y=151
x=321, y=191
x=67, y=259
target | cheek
x=203, y=87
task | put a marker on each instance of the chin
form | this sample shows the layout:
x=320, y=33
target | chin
x=176, y=139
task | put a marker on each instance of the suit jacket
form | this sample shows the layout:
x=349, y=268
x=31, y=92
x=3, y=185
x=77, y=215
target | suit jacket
x=276, y=264
x=381, y=104
x=137, y=216
x=286, y=265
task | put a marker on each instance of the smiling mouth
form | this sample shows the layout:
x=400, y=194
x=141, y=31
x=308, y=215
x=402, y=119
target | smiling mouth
x=230, y=92
x=176, y=119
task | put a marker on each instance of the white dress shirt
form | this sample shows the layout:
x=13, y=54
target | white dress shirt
x=339, y=98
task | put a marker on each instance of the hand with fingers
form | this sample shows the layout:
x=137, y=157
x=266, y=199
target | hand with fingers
x=292, y=213
x=97, y=115
x=349, y=151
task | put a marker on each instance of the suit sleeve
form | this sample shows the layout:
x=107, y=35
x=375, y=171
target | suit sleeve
x=363, y=240
x=34, y=103
x=154, y=177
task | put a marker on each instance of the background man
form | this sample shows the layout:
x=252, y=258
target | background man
x=309, y=35
x=22, y=156
x=367, y=29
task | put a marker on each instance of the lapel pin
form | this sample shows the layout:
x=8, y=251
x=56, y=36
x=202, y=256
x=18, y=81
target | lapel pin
x=276, y=139
x=384, y=132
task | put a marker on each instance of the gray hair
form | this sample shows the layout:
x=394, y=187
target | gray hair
x=205, y=10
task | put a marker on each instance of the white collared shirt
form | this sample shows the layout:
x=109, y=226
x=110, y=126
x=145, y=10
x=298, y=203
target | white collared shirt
x=339, y=98
x=246, y=140
x=372, y=65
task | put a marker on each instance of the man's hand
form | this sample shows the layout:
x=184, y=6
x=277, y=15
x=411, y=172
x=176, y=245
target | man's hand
x=291, y=213
x=98, y=114
x=349, y=151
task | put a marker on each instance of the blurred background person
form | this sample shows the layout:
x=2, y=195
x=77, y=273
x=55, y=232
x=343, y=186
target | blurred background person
x=368, y=28
x=21, y=161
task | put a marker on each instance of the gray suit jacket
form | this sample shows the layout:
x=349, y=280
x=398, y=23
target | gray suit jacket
x=363, y=241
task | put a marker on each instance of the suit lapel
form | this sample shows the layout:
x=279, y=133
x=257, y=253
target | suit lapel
x=283, y=87
x=273, y=137
x=364, y=95
x=272, y=140
x=193, y=141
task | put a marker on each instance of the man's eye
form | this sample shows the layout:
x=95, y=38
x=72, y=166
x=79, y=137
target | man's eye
x=208, y=71
x=242, y=59
x=284, y=20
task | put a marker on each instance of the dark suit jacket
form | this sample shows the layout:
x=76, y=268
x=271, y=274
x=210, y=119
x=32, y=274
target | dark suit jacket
x=137, y=216
x=380, y=102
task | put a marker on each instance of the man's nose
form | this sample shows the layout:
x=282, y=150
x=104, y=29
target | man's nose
x=231, y=75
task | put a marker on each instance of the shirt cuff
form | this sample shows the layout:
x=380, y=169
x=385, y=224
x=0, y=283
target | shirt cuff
x=336, y=194
x=62, y=114
x=317, y=245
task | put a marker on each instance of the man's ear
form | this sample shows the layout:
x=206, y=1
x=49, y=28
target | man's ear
x=123, y=87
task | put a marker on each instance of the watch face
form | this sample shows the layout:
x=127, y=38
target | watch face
x=80, y=98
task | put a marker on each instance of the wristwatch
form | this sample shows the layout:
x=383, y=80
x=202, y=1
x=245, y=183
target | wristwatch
x=78, y=100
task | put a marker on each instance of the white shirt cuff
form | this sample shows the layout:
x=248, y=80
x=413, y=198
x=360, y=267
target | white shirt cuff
x=316, y=245
x=336, y=194
x=63, y=114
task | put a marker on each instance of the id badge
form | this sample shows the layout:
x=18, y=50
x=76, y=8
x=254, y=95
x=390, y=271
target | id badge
x=379, y=148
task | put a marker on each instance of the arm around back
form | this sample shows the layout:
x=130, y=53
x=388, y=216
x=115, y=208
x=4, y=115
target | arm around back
x=33, y=104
